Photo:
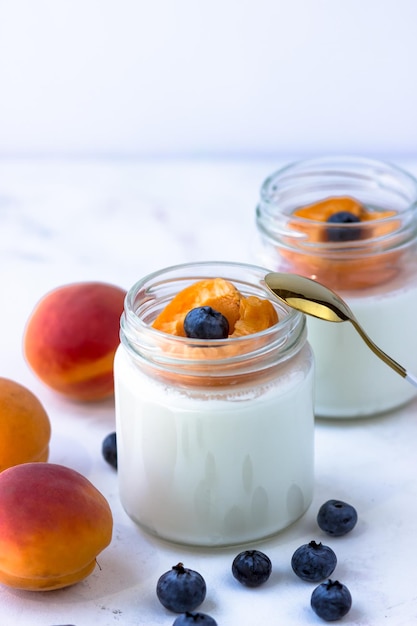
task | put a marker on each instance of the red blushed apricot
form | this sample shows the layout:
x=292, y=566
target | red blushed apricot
x=71, y=338
x=53, y=524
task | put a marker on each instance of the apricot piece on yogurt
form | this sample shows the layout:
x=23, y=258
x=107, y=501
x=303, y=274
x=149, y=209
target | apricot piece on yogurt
x=218, y=293
x=53, y=524
x=321, y=211
x=25, y=429
x=324, y=210
x=245, y=315
x=71, y=338
x=340, y=267
x=256, y=314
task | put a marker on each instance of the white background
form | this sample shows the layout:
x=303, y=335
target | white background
x=193, y=78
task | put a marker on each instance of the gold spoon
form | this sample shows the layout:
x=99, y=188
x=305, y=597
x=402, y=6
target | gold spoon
x=313, y=298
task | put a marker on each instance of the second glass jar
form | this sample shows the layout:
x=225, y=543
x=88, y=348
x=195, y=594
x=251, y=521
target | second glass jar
x=371, y=264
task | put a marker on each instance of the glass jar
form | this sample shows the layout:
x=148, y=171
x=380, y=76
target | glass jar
x=215, y=437
x=372, y=265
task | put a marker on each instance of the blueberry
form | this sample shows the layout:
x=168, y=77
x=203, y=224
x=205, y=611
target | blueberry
x=203, y=322
x=336, y=517
x=313, y=561
x=194, y=618
x=109, y=449
x=181, y=589
x=343, y=234
x=251, y=568
x=331, y=600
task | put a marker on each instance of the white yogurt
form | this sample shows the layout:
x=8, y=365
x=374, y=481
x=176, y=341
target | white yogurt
x=215, y=467
x=215, y=438
x=351, y=380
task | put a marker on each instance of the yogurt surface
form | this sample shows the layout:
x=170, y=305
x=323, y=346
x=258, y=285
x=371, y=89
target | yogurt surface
x=214, y=466
x=350, y=380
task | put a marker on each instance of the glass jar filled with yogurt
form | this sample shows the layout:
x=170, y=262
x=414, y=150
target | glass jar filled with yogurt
x=351, y=224
x=214, y=435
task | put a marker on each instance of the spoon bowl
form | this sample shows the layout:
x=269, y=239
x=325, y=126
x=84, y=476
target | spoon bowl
x=315, y=299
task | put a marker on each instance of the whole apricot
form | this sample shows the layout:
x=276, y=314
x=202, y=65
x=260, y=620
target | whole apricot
x=71, y=338
x=53, y=524
x=25, y=429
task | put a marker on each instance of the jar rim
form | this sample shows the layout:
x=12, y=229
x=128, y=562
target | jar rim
x=369, y=181
x=166, y=351
x=350, y=166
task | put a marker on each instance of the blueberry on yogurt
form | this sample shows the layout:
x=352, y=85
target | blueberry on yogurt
x=343, y=234
x=204, y=322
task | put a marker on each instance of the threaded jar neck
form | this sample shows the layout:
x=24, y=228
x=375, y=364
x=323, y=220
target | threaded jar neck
x=375, y=184
x=199, y=361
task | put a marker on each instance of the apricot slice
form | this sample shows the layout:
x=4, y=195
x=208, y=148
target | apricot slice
x=342, y=271
x=25, y=429
x=321, y=211
x=218, y=293
x=53, y=524
x=256, y=314
x=246, y=316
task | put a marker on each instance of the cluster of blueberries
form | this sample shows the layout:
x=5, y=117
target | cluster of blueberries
x=182, y=590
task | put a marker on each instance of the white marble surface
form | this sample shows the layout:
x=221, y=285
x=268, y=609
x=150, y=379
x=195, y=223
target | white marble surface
x=116, y=221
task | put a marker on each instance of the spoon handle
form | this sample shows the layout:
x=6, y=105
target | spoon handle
x=411, y=379
x=383, y=356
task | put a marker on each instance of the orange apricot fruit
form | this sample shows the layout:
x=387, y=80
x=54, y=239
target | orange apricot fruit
x=25, y=429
